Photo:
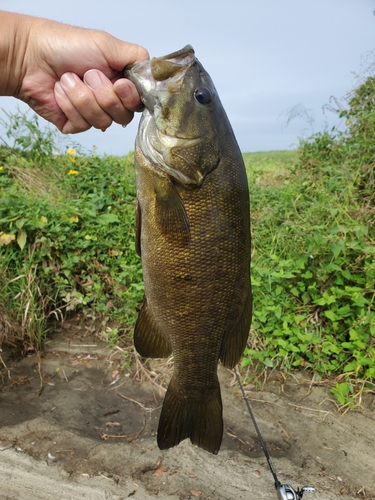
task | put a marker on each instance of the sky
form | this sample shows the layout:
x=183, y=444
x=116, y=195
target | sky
x=265, y=57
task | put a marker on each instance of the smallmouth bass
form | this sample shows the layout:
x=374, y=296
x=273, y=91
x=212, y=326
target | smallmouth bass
x=193, y=236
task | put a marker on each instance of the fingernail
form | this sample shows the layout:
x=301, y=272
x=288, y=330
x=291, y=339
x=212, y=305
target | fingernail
x=58, y=89
x=68, y=80
x=123, y=91
x=93, y=79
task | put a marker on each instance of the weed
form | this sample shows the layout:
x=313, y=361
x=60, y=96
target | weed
x=67, y=243
x=313, y=266
x=67, y=227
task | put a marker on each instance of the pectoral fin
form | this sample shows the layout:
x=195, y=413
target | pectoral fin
x=171, y=213
x=149, y=341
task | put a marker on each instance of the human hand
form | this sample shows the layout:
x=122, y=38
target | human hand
x=73, y=76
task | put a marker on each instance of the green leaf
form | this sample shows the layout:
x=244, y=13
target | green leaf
x=307, y=275
x=353, y=334
x=278, y=290
x=107, y=218
x=278, y=312
x=344, y=311
x=268, y=362
x=21, y=238
x=337, y=248
x=20, y=223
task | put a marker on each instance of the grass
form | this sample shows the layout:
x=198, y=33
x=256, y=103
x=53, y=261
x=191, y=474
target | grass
x=313, y=268
x=67, y=244
x=270, y=161
x=66, y=239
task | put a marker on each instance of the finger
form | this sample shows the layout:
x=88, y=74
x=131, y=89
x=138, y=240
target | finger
x=74, y=121
x=108, y=100
x=118, y=53
x=84, y=101
x=126, y=91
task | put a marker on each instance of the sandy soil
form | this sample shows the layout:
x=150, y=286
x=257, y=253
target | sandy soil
x=90, y=434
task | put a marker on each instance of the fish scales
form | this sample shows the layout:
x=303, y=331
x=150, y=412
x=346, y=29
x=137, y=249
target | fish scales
x=193, y=234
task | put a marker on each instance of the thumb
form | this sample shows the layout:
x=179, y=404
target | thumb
x=120, y=54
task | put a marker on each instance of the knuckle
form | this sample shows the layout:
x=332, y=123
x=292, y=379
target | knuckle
x=111, y=103
x=82, y=99
x=76, y=129
x=143, y=53
x=104, y=122
x=124, y=117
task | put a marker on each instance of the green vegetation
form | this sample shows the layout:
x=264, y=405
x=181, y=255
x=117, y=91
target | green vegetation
x=67, y=244
x=313, y=268
x=66, y=236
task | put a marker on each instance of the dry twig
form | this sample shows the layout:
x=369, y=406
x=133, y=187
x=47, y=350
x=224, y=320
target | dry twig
x=279, y=425
x=144, y=407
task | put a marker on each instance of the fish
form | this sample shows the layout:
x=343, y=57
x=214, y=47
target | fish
x=193, y=237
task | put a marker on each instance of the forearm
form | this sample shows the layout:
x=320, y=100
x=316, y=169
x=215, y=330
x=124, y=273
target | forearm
x=14, y=36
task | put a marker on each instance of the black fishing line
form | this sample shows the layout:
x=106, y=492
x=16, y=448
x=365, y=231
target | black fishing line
x=284, y=491
x=262, y=443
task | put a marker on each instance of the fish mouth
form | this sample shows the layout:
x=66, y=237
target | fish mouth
x=161, y=72
x=157, y=76
x=188, y=49
x=164, y=67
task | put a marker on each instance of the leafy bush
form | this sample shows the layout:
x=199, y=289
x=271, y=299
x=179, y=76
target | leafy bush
x=66, y=237
x=67, y=243
x=313, y=267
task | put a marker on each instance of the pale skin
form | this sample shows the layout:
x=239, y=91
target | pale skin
x=70, y=76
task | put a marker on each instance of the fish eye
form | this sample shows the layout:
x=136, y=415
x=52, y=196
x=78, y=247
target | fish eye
x=203, y=95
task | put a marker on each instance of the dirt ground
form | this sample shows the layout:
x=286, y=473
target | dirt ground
x=77, y=425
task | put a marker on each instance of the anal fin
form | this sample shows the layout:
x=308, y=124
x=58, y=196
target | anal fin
x=235, y=338
x=149, y=340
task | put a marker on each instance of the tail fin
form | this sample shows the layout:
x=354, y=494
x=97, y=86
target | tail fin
x=195, y=414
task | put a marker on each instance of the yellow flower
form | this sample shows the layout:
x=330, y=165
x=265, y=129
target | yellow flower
x=71, y=152
x=5, y=239
x=1, y=168
x=74, y=218
x=42, y=221
x=73, y=172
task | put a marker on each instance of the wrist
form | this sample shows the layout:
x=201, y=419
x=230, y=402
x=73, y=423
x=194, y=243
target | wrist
x=14, y=36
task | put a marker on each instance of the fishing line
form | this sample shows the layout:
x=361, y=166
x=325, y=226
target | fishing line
x=284, y=491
